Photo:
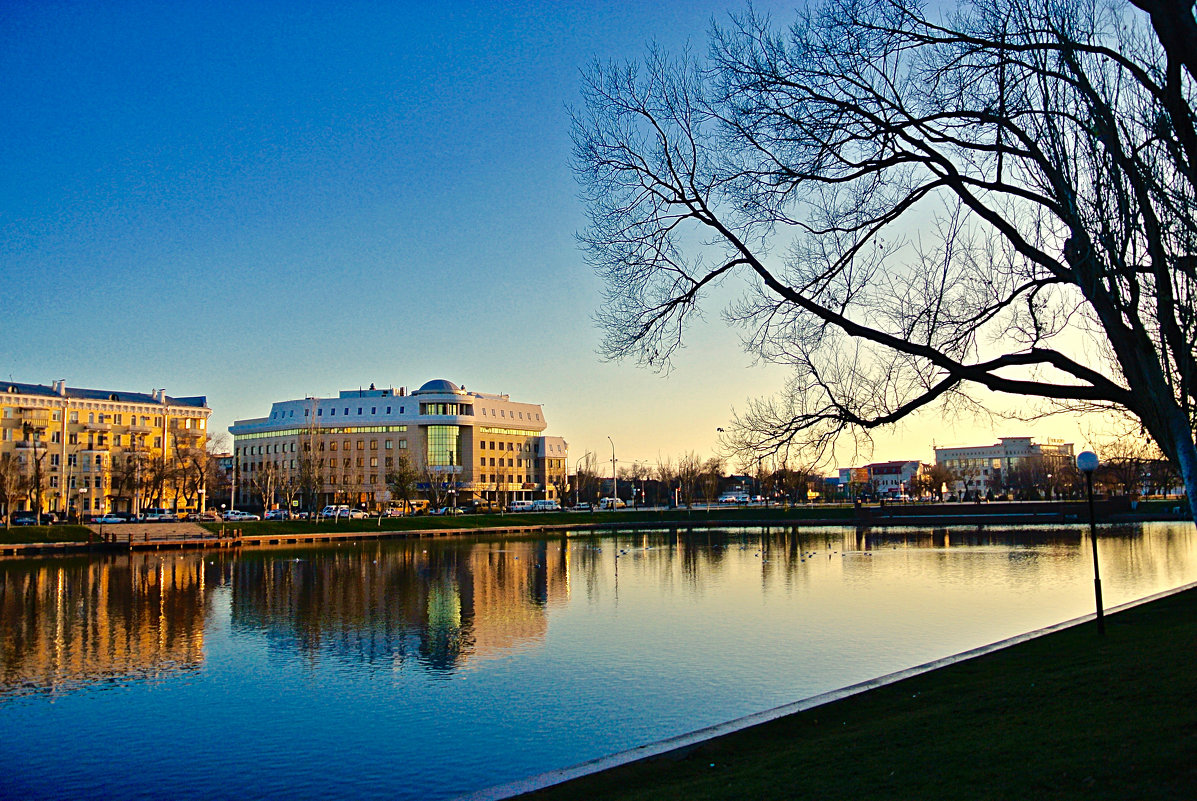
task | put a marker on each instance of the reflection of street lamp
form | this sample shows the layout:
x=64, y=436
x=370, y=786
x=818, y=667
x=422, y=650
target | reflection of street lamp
x=1086, y=462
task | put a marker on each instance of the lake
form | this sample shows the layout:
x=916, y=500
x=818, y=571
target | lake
x=429, y=668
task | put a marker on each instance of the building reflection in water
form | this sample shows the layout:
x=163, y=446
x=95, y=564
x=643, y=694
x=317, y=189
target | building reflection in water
x=67, y=622
x=437, y=606
x=441, y=605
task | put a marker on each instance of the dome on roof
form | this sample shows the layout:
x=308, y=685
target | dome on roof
x=438, y=385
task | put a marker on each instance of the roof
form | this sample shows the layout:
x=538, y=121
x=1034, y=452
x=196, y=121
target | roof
x=439, y=385
x=80, y=393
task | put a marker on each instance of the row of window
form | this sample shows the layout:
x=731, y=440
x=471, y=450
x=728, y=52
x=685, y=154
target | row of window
x=289, y=447
x=295, y=432
x=425, y=409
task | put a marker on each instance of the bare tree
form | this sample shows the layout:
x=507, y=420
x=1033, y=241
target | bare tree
x=689, y=477
x=1045, y=153
x=666, y=475
x=13, y=485
x=401, y=481
x=709, y=478
x=265, y=479
x=586, y=478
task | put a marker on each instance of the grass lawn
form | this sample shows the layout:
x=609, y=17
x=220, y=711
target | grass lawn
x=21, y=534
x=1067, y=716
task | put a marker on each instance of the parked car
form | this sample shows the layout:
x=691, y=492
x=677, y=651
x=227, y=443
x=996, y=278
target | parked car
x=278, y=514
x=208, y=517
x=584, y=506
x=546, y=506
x=110, y=518
x=449, y=510
x=612, y=503
x=239, y=516
x=158, y=516
x=30, y=518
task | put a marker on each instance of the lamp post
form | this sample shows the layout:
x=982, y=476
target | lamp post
x=222, y=521
x=1086, y=462
x=614, y=477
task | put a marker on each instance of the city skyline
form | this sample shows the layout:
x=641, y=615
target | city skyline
x=289, y=200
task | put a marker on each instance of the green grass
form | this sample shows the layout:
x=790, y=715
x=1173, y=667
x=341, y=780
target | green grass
x=22, y=534
x=1067, y=716
x=581, y=519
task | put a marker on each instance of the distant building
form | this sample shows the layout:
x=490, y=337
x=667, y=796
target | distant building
x=894, y=478
x=483, y=447
x=983, y=468
x=96, y=450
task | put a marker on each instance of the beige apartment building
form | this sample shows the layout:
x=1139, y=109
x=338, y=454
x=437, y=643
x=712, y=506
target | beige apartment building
x=85, y=451
x=474, y=446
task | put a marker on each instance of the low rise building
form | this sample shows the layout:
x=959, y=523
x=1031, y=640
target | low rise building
x=474, y=446
x=72, y=450
x=981, y=469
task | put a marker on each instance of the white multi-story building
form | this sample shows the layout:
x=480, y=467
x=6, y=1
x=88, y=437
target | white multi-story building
x=485, y=446
x=986, y=467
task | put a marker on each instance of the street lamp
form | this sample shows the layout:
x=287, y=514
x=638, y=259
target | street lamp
x=614, y=477
x=1086, y=462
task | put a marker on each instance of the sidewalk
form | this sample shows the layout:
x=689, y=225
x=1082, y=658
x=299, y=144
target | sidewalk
x=1069, y=715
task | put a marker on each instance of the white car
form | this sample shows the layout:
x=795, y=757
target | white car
x=238, y=515
x=109, y=519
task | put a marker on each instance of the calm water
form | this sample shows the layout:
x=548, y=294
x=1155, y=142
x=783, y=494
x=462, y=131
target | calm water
x=424, y=669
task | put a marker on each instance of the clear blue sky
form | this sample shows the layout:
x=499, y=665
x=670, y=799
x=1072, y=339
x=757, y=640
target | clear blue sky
x=262, y=201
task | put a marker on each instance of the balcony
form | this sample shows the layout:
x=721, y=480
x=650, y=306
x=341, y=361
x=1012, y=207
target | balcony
x=97, y=426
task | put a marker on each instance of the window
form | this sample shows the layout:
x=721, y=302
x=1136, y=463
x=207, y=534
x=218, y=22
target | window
x=74, y=416
x=482, y=463
x=56, y=436
x=390, y=462
x=116, y=418
x=157, y=442
x=346, y=411
x=361, y=444
x=319, y=412
x=388, y=410
x=373, y=444
x=54, y=482
x=361, y=461
x=54, y=460
x=157, y=422
x=333, y=413
x=332, y=445
x=97, y=482
x=402, y=444
x=359, y=410
x=348, y=445
x=374, y=461
x=91, y=417
x=72, y=460
x=492, y=461
x=388, y=444
x=56, y=416
x=373, y=410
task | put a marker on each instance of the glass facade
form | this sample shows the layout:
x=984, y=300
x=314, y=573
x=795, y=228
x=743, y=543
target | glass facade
x=444, y=446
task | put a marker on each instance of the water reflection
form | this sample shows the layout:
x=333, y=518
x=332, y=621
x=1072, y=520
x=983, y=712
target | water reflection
x=437, y=606
x=73, y=622
x=388, y=603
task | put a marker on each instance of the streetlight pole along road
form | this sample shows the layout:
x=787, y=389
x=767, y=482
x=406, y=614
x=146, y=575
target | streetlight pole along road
x=614, y=477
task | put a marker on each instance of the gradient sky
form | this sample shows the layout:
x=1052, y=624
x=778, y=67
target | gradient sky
x=263, y=201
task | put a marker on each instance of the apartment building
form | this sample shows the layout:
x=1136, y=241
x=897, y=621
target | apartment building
x=70, y=450
x=314, y=451
x=983, y=468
